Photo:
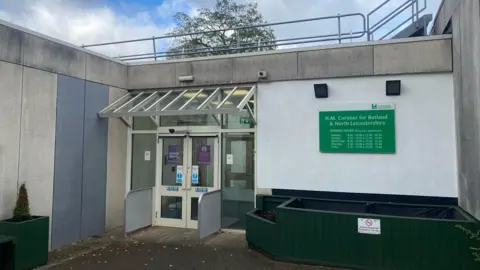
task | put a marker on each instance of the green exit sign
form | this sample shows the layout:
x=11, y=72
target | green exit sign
x=245, y=121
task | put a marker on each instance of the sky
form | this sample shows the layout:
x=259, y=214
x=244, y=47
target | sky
x=95, y=21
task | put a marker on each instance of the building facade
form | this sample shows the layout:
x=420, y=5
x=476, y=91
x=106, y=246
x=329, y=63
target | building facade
x=370, y=121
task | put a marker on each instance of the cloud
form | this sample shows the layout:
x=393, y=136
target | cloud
x=167, y=9
x=288, y=10
x=94, y=21
x=78, y=23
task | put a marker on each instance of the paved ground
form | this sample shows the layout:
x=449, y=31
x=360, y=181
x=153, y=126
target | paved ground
x=164, y=248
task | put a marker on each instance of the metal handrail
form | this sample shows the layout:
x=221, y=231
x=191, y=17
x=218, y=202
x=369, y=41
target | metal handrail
x=340, y=35
x=413, y=4
x=349, y=35
x=158, y=54
x=368, y=29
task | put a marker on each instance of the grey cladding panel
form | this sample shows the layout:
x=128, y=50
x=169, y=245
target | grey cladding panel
x=341, y=62
x=206, y=72
x=278, y=67
x=67, y=183
x=94, y=161
x=11, y=42
x=53, y=57
x=413, y=57
x=106, y=71
x=151, y=76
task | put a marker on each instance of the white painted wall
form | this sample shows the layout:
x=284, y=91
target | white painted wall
x=424, y=164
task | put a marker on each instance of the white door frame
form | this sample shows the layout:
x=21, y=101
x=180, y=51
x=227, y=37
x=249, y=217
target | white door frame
x=161, y=131
x=186, y=191
x=174, y=191
x=197, y=191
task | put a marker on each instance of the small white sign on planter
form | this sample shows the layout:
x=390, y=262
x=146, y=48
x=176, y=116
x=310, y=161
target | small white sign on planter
x=369, y=226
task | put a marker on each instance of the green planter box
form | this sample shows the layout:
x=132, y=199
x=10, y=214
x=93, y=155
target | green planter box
x=367, y=235
x=7, y=253
x=269, y=202
x=261, y=233
x=31, y=238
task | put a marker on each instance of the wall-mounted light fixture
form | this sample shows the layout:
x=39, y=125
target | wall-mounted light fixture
x=188, y=78
x=321, y=90
x=393, y=88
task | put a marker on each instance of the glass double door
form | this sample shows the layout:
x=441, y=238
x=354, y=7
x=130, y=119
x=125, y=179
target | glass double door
x=188, y=167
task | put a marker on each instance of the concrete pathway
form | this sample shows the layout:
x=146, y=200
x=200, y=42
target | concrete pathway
x=164, y=248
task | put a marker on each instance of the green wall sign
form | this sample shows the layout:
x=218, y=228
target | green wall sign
x=358, y=128
x=245, y=120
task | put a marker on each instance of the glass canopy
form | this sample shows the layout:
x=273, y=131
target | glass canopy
x=222, y=100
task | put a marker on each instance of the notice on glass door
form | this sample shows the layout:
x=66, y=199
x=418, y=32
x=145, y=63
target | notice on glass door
x=229, y=159
x=146, y=156
x=173, y=154
x=195, y=176
x=179, y=174
x=203, y=152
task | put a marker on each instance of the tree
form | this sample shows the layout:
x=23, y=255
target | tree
x=21, y=212
x=225, y=14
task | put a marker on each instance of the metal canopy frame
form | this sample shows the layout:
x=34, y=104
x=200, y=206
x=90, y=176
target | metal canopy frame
x=181, y=102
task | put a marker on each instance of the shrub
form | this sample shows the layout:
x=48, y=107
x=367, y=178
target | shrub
x=21, y=212
x=472, y=235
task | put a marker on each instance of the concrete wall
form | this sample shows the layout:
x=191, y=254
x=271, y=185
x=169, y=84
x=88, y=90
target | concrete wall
x=424, y=163
x=464, y=17
x=401, y=56
x=37, y=138
x=25, y=47
x=27, y=137
x=116, y=170
x=442, y=22
x=10, y=108
x=65, y=182
x=466, y=31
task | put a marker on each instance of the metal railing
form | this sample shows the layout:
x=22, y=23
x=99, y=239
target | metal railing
x=408, y=4
x=368, y=29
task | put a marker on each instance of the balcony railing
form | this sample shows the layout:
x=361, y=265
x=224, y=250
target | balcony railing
x=369, y=27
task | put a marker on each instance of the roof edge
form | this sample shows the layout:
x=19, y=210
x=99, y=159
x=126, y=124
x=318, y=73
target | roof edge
x=300, y=49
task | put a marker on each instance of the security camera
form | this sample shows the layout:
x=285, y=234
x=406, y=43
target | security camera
x=262, y=74
x=171, y=131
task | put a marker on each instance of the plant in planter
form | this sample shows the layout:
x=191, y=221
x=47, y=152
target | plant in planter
x=474, y=236
x=30, y=232
x=21, y=212
x=268, y=215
